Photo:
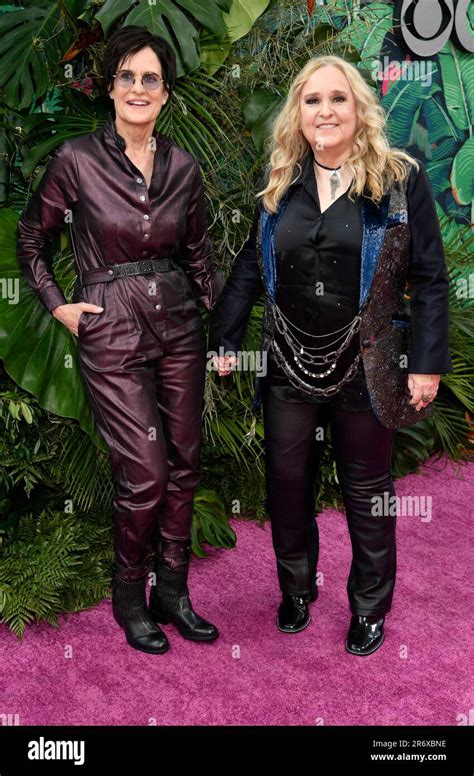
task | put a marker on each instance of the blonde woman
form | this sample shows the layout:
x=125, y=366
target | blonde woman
x=346, y=247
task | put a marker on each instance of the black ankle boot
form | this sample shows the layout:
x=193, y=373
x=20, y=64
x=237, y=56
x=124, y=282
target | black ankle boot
x=293, y=613
x=365, y=634
x=130, y=611
x=169, y=602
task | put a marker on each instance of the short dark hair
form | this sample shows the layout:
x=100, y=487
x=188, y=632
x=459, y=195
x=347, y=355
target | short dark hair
x=131, y=39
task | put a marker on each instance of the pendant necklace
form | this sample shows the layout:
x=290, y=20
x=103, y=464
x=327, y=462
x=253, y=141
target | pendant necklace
x=334, y=178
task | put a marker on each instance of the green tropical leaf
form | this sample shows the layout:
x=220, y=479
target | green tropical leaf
x=402, y=104
x=210, y=523
x=31, y=45
x=462, y=179
x=411, y=447
x=457, y=73
x=6, y=148
x=460, y=380
x=54, y=563
x=191, y=118
x=258, y=111
x=369, y=30
x=165, y=18
x=451, y=427
x=438, y=173
x=239, y=21
x=419, y=137
x=38, y=352
x=242, y=16
x=445, y=149
x=437, y=120
x=458, y=240
x=43, y=132
x=86, y=474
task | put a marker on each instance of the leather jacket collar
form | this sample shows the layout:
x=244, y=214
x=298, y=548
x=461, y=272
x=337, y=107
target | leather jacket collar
x=112, y=137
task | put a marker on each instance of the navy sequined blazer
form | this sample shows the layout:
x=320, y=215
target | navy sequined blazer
x=396, y=338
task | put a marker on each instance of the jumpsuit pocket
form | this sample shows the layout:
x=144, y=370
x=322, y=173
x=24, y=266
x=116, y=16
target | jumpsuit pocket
x=93, y=294
x=176, y=296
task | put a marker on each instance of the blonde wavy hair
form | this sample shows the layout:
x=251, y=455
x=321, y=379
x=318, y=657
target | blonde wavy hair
x=374, y=164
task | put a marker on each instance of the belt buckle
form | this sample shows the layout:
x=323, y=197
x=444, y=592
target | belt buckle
x=145, y=265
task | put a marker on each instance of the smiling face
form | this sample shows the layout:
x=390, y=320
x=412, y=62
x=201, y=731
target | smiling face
x=135, y=104
x=328, y=112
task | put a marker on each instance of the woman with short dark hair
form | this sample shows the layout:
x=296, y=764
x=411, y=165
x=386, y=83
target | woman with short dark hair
x=139, y=232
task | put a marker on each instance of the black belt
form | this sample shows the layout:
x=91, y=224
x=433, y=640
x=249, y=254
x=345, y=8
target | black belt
x=112, y=271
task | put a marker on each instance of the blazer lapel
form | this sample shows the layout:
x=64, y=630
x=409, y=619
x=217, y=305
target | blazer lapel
x=374, y=223
x=268, y=225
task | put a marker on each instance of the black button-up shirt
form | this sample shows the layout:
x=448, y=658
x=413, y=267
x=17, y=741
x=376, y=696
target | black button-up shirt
x=91, y=185
x=318, y=256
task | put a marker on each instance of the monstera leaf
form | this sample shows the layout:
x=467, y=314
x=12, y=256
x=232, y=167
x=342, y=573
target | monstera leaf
x=31, y=43
x=165, y=18
x=38, y=352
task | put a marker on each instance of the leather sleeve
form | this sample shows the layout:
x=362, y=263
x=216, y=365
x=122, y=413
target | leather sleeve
x=42, y=220
x=429, y=282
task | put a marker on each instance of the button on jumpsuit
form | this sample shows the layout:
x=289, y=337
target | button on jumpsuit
x=143, y=358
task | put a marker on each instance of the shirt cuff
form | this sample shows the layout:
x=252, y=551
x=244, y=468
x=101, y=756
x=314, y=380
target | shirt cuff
x=52, y=297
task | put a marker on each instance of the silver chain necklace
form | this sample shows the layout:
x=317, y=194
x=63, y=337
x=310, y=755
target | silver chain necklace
x=334, y=178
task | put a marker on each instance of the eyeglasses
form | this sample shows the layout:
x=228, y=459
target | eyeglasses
x=126, y=79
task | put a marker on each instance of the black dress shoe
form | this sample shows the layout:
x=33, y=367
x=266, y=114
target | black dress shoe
x=170, y=602
x=365, y=634
x=293, y=614
x=130, y=612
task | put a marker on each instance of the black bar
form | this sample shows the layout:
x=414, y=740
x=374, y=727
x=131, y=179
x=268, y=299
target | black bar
x=322, y=750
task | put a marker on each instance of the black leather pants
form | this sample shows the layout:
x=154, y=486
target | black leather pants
x=362, y=448
x=143, y=363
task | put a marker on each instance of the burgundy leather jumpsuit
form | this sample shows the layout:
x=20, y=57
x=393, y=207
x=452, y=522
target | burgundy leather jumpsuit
x=143, y=358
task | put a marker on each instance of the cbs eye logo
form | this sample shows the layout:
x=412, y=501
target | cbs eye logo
x=426, y=25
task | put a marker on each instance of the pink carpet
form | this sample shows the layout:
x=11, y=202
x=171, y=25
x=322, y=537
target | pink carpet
x=84, y=673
